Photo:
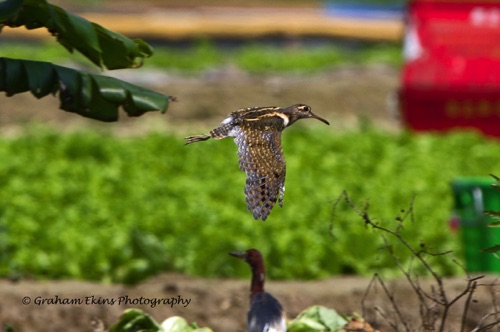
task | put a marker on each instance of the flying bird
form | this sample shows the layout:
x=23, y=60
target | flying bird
x=265, y=314
x=257, y=133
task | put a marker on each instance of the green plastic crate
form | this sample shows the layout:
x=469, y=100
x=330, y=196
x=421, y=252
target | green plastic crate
x=473, y=196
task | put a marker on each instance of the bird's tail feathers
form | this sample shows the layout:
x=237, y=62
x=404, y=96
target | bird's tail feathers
x=225, y=130
x=196, y=138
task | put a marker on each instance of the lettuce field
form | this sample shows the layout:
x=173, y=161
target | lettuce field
x=97, y=206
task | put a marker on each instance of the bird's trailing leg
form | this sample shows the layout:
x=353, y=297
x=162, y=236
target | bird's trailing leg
x=197, y=138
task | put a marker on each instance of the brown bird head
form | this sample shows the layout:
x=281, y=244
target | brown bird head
x=252, y=256
x=301, y=111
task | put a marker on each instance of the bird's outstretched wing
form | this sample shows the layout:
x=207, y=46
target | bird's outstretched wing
x=261, y=158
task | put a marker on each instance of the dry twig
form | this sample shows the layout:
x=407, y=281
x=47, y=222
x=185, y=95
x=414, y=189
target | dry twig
x=435, y=306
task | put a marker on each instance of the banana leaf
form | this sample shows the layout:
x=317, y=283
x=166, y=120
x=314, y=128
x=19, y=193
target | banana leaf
x=103, y=47
x=90, y=95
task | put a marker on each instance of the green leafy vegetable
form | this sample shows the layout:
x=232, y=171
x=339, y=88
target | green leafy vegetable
x=317, y=318
x=161, y=206
x=179, y=324
x=135, y=320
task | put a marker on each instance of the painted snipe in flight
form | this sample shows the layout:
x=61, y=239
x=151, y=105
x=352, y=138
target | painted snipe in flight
x=257, y=133
x=265, y=314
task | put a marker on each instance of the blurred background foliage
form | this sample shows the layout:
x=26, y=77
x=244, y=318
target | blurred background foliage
x=91, y=205
x=256, y=57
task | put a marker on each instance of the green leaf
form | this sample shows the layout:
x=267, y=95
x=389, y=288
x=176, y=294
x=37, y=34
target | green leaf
x=317, y=318
x=135, y=320
x=175, y=324
x=179, y=324
x=39, y=79
x=304, y=325
x=14, y=78
x=9, y=8
x=94, y=96
x=100, y=45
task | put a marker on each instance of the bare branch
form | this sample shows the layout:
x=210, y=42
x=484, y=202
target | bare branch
x=392, y=300
x=471, y=287
x=479, y=328
x=434, y=306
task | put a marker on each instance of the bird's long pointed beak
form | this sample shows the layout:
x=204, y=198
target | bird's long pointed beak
x=314, y=116
x=238, y=254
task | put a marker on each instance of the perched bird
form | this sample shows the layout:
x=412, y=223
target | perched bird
x=266, y=313
x=257, y=133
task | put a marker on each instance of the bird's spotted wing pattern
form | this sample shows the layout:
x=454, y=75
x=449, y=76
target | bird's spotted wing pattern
x=261, y=158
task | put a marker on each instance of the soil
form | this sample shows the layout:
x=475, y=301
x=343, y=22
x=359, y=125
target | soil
x=348, y=97
x=220, y=304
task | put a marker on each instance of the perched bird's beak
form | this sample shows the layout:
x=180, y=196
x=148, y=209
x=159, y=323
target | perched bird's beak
x=314, y=116
x=239, y=254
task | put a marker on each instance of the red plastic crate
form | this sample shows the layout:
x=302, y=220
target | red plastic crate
x=451, y=75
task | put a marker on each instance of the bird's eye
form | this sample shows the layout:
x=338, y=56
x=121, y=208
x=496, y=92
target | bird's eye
x=305, y=108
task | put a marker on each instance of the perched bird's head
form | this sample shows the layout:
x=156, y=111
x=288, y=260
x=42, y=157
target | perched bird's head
x=252, y=256
x=301, y=111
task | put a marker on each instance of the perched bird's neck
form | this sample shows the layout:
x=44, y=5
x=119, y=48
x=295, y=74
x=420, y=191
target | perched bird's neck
x=258, y=279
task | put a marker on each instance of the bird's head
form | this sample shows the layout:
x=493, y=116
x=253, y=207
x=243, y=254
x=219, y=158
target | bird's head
x=252, y=256
x=301, y=111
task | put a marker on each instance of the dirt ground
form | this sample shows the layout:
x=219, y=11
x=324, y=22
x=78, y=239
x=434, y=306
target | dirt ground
x=219, y=304
x=347, y=97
